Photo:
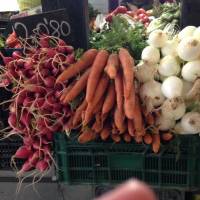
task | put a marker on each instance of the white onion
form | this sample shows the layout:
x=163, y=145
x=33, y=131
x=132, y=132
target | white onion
x=173, y=108
x=163, y=123
x=179, y=129
x=187, y=86
x=151, y=91
x=157, y=38
x=145, y=72
x=191, y=122
x=172, y=87
x=151, y=55
x=191, y=71
x=196, y=34
x=186, y=32
x=189, y=49
x=169, y=66
x=170, y=48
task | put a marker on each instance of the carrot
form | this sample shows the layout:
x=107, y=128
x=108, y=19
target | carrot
x=101, y=88
x=78, y=113
x=131, y=128
x=147, y=138
x=86, y=136
x=119, y=121
x=138, y=139
x=114, y=129
x=95, y=74
x=98, y=107
x=119, y=91
x=112, y=66
x=167, y=136
x=127, y=64
x=129, y=104
x=105, y=133
x=66, y=90
x=156, y=143
x=138, y=121
x=127, y=138
x=77, y=88
x=150, y=119
x=116, y=138
x=97, y=126
x=84, y=62
x=69, y=125
x=109, y=100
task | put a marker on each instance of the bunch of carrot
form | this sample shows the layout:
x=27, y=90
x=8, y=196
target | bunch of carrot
x=109, y=106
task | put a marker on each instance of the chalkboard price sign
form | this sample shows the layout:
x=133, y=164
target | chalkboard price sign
x=54, y=23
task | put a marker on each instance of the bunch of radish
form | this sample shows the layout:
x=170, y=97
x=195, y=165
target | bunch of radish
x=139, y=15
x=169, y=75
x=35, y=110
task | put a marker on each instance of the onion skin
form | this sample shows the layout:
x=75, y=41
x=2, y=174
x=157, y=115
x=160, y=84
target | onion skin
x=191, y=122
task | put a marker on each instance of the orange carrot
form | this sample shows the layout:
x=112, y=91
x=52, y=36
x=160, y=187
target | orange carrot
x=167, y=136
x=77, y=88
x=86, y=136
x=112, y=66
x=148, y=138
x=105, y=133
x=78, y=114
x=97, y=126
x=109, y=100
x=84, y=62
x=127, y=138
x=114, y=129
x=131, y=129
x=98, y=107
x=127, y=63
x=101, y=88
x=119, y=91
x=138, y=139
x=156, y=143
x=95, y=74
x=65, y=91
x=119, y=120
x=69, y=125
x=138, y=121
x=129, y=104
x=150, y=119
x=116, y=138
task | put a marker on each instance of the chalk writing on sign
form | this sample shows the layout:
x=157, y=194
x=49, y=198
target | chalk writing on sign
x=50, y=27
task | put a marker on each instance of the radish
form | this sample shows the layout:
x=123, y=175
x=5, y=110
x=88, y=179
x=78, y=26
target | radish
x=25, y=167
x=23, y=153
x=42, y=165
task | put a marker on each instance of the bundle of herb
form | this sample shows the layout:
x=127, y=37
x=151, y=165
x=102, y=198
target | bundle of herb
x=120, y=34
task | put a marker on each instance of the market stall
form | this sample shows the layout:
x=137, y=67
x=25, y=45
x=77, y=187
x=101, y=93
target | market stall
x=101, y=105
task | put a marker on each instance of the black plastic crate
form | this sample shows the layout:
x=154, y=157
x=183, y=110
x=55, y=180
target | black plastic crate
x=8, y=148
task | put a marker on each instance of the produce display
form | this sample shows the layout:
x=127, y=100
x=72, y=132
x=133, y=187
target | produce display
x=138, y=81
x=35, y=112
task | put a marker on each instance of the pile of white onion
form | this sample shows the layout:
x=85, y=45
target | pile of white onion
x=169, y=74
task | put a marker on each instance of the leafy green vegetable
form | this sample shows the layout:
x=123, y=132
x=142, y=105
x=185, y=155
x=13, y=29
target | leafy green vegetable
x=120, y=34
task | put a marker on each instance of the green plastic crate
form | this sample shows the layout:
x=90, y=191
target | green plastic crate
x=109, y=163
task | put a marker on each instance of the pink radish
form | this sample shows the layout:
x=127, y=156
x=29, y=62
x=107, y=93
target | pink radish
x=23, y=153
x=42, y=165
